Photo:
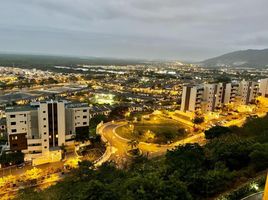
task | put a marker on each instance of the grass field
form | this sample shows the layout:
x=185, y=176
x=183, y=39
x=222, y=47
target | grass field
x=153, y=130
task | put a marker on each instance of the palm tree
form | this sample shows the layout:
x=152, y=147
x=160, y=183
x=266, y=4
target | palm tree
x=133, y=144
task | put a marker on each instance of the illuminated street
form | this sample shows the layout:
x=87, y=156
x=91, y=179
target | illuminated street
x=120, y=145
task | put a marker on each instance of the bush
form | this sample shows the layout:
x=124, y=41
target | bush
x=199, y=120
x=216, y=131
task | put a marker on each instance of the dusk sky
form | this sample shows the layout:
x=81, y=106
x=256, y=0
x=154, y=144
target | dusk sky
x=150, y=29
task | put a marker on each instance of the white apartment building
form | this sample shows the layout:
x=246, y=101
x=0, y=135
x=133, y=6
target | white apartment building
x=192, y=97
x=212, y=97
x=264, y=87
x=248, y=91
x=230, y=92
x=42, y=126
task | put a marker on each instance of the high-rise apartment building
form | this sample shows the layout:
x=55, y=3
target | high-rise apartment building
x=229, y=92
x=192, y=97
x=210, y=97
x=41, y=126
x=248, y=91
x=264, y=87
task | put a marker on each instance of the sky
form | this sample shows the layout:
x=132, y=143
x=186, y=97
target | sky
x=149, y=29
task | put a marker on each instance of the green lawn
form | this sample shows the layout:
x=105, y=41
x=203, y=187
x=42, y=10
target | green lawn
x=153, y=130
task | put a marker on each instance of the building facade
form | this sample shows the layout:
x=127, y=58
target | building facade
x=248, y=91
x=42, y=126
x=229, y=92
x=264, y=87
x=211, y=97
x=192, y=97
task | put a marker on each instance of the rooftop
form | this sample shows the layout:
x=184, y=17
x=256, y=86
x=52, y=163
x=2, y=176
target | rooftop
x=76, y=105
x=20, y=108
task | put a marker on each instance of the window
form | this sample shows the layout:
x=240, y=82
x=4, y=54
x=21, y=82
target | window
x=44, y=111
x=12, y=116
x=45, y=140
x=14, y=138
x=45, y=133
x=84, y=117
x=13, y=130
x=45, y=147
x=84, y=123
x=45, y=126
x=84, y=110
x=44, y=118
x=13, y=123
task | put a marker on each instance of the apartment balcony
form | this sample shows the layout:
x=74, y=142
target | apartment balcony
x=33, y=141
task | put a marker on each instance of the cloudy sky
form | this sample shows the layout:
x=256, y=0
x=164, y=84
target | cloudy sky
x=153, y=29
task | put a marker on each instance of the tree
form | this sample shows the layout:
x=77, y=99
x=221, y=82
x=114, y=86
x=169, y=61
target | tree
x=223, y=79
x=210, y=182
x=14, y=158
x=259, y=156
x=97, y=190
x=232, y=150
x=186, y=160
x=94, y=121
x=133, y=144
x=217, y=131
x=151, y=186
x=118, y=112
x=199, y=120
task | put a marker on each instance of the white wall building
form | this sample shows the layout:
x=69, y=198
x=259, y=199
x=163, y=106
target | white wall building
x=210, y=97
x=192, y=97
x=248, y=91
x=264, y=87
x=40, y=127
x=230, y=92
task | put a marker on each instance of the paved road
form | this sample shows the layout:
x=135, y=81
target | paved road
x=120, y=145
x=13, y=170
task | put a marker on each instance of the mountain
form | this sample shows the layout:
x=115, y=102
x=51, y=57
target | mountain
x=49, y=61
x=246, y=58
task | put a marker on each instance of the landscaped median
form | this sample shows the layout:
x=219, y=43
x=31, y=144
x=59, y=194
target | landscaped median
x=154, y=130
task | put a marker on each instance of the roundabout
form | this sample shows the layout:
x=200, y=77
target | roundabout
x=118, y=146
x=154, y=129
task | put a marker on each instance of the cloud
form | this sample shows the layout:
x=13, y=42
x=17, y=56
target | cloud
x=125, y=28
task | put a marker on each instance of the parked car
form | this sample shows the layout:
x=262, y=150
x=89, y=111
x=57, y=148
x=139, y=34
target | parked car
x=20, y=165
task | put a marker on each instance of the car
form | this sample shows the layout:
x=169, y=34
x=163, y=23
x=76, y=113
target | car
x=20, y=165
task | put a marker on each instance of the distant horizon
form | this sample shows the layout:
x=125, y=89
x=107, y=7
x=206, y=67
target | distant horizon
x=116, y=58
